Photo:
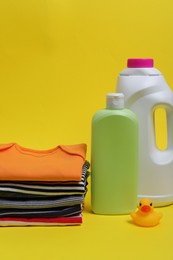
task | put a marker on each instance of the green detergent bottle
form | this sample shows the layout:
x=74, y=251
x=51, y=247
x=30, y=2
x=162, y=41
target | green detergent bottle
x=114, y=158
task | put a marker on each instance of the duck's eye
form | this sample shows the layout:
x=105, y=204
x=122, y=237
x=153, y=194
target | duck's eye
x=140, y=204
x=151, y=204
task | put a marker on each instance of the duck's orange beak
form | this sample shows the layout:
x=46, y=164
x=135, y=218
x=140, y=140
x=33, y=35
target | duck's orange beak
x=145, y=209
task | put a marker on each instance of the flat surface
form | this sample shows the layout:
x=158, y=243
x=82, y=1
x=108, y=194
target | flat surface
x=99, y=237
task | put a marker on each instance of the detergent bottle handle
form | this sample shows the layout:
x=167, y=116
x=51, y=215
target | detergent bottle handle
x=166, y=155
x=169, y=110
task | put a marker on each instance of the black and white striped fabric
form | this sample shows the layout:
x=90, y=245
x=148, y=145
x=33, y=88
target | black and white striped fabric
x=51, y=213
x=42, y=198
x=43, y=203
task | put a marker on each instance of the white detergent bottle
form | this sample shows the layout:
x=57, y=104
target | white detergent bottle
x=145, y=91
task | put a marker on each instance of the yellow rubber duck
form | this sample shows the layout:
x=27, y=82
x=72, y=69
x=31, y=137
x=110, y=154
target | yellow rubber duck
x=145, y=216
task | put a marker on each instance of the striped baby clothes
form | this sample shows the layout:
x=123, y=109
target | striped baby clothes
x=47, y=201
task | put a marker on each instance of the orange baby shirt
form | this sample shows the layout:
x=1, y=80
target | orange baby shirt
x=62, y=163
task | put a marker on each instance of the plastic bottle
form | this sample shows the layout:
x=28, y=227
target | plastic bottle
x=114, y=158
x=145, y=91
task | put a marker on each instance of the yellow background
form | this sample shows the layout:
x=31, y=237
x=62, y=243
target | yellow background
x=58, y=59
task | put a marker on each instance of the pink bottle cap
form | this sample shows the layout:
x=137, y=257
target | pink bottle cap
x=140, y=63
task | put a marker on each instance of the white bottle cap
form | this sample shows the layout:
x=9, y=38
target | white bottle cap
x=115, y=101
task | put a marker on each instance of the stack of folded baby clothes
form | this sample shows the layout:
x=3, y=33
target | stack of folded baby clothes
x=39, y=187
